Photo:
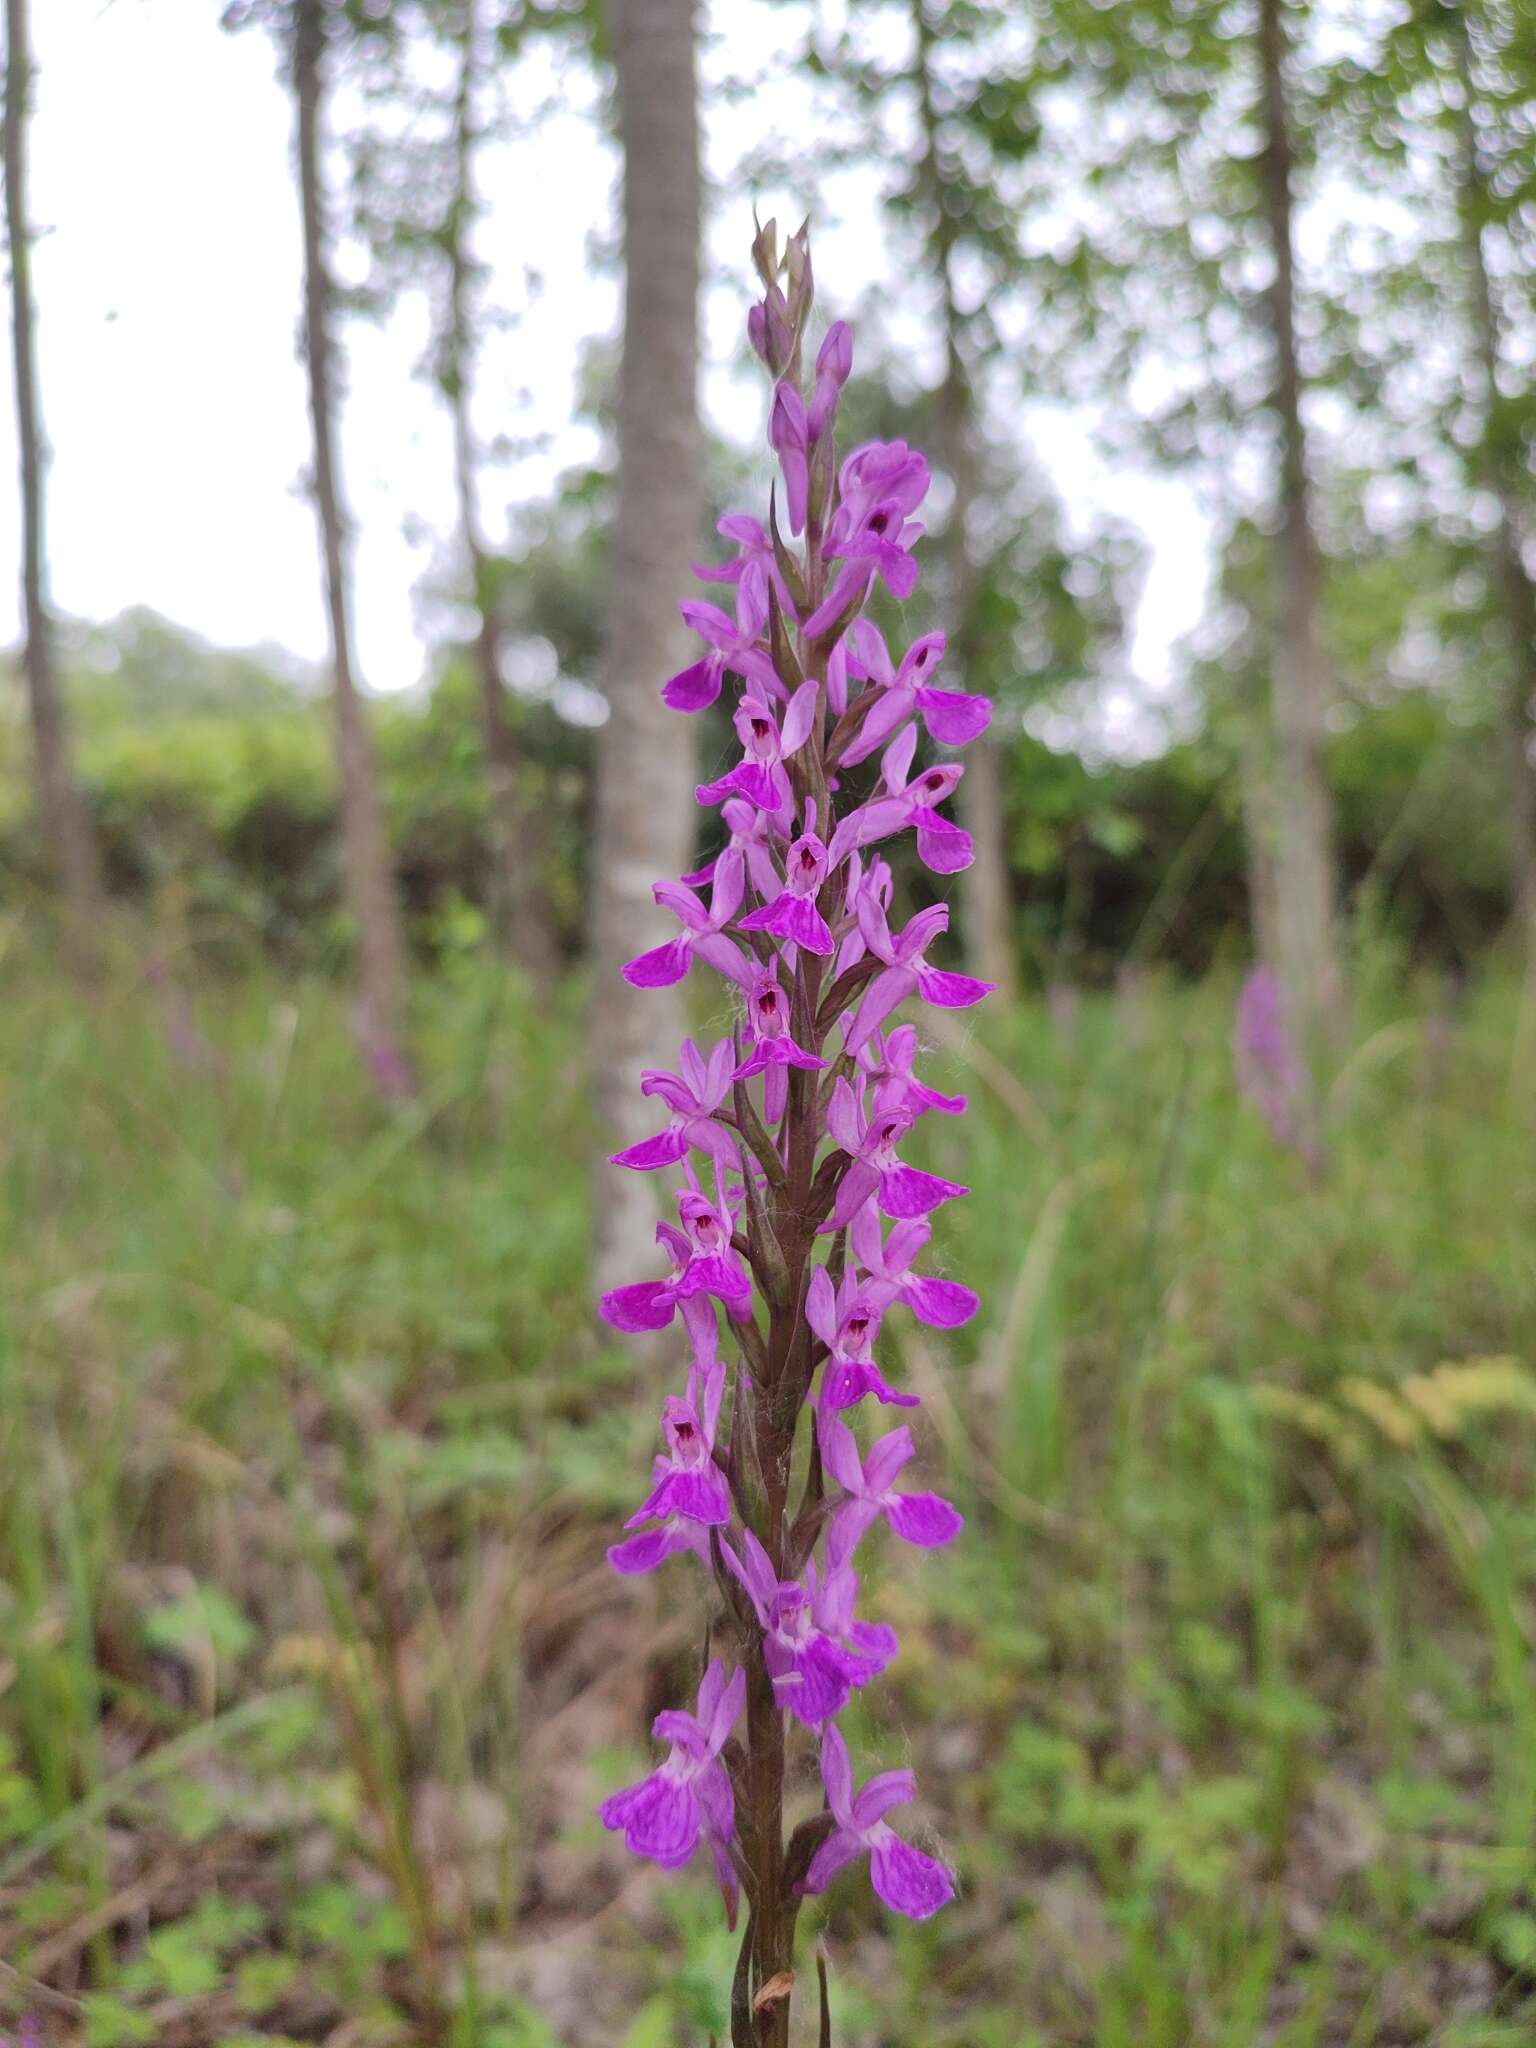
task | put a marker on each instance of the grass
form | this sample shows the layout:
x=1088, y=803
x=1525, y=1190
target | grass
x=311, y=1672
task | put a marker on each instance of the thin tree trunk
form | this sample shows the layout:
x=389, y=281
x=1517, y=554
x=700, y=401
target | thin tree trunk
x=985, y=911
x=646, y=754
x=66, y=824
x=518, y=908
x=1517, y=594
x=1306, y=920
x=365, y=847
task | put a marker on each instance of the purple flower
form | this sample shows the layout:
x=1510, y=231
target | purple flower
x=901, y=1190
x=789, y=438
x=903, y=1877
x=941, y=846
x=834, y=364
x=942, y=1304
x=923, y=1519
x=733, y=644
x=703, y=932
x=760, y=777
x=887, y=1060
x=792, y=914
x=754, y=546
x=693, y=1097
x=687, y=1481
x=906, y=968
x=848, y=1322
x=951, y=718
x=689, y=1796
x=702, y=1263
x=815, y=1653
x=793, y=1155
x=1270, y=1069
x=772, y=1049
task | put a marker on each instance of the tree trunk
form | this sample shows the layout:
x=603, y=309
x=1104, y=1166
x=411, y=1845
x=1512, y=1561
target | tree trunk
x=1306, y=939
x=519, y=912
x=986, y=919
x=365, y=847
x=66, y=825
x=646, y=753
x=1510, y=579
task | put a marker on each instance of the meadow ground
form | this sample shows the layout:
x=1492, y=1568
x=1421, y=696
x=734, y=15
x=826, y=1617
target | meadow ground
x=311, y=1670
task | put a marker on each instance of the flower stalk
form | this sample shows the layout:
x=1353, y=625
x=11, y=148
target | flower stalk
x=798, y=1221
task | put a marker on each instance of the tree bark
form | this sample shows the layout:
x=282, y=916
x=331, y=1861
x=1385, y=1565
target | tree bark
x=66, y=825
x=518, y=907
x=986, y=918
x=1511, y=580
x=365, y=848
x=1307, y=942
x=646, y=754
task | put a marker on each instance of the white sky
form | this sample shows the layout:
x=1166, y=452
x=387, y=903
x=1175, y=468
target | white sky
x=167, y=280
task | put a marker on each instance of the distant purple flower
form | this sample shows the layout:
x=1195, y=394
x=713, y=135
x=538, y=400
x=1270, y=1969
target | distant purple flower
x=908, y=1881
x=1270, y=1068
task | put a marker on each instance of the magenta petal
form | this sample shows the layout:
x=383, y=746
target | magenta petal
x=924, y=1519
x=850, y=1379
x=661, y=1821
x=907, y=1191
x=694, y=688
x=908, y=1881
x=942, y=1304
x=952, y=718
x=942, y=847
x=661, y=967
x=704, y=1497
x=835, y=1854
x=644, y=1553
x=665, y=1149
x=647, y=1305
x=951, y=991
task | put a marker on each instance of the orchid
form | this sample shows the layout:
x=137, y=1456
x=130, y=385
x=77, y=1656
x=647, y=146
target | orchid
x=950, y=717
x=785, y=1134
x=690, y=1796
x=908, y=1881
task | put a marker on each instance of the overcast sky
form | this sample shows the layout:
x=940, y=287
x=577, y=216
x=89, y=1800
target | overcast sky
x=167, y=280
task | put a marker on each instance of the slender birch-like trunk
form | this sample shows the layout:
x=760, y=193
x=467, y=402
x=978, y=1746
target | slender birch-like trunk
x=365, y=848
x=1510, y=578
x=1307, y=939
x=986, y=920
x=646, y=766
x=517, y=895
x=65, y=821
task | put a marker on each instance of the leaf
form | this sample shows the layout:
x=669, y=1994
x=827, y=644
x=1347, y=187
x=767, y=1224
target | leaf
x=205, y=1615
